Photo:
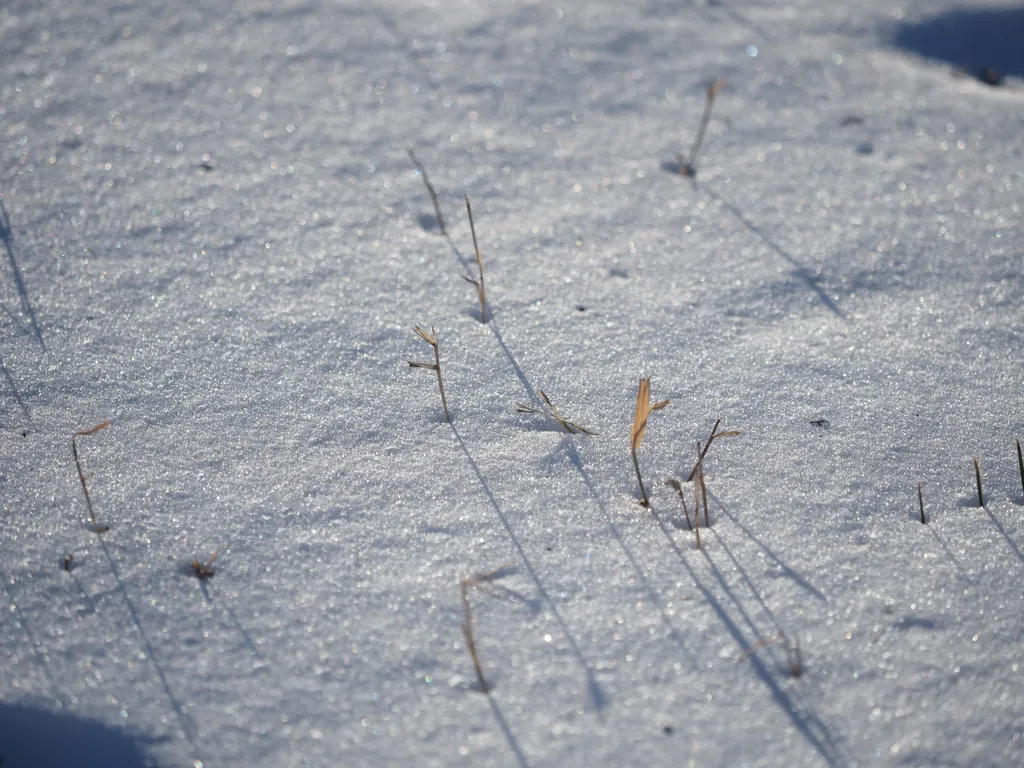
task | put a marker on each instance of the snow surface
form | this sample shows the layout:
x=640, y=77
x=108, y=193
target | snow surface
x=218, y=242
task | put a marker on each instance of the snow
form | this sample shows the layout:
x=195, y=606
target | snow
x=218, y=242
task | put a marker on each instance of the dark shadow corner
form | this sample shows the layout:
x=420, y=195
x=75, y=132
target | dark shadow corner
x=31, y=737
x=979, y=41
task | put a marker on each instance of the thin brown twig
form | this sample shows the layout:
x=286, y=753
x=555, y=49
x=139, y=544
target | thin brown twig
x=465, y=585
x=81, y=476
x=703, y=488
x=481, y=292
x=431, y=339
x=569, y=426
x=675, y=485
x=711, y=438
x=688, y=166
x=430, y=189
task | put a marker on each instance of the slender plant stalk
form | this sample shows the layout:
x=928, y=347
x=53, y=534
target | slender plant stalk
x=977, y=477
x=920, y=503
x=431, y=339
x=430, y=189
x=81, y=476
x=569, y=426
x=467, y=632
x=481, y=293
x=675, y=485
x=703, y=489
x=1020, y=465
x=696, y=513
x=688, y=167
x=711, y=438
x=644, y=408
x=465, y=585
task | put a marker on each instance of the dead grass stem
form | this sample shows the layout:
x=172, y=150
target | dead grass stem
x=430, y=190
x=81, y=476
x=644, y=408
x=481, y=292
x=569, y=426
x=431, y=339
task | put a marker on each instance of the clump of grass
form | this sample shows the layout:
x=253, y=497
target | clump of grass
x=920, y=503
x=478, y=283
x=205, y=570
x=1020, y=464
x=431, y=339
x=569, y=426
x=711, y=438
x=977, y=478
x=688, y=165
x=430, y=190
x=465, y=585
x=81, y=476
x=644, y=408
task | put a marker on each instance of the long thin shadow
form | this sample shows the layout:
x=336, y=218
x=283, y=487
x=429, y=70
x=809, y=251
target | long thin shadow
x=187, y=726
x=14, y=389
x=596, y=695
x=652, y=595
x=999, y=527
x=20, y=618
x=509, y=736
x=963, y=573
x=789, y=572
x=26, y=305
x=512, y=361
x=799, y=270
x=813, y=729
x=234, y=619
x=746, y=578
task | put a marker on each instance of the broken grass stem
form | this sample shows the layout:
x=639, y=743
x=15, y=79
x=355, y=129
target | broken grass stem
x=430, y=189
x=977, y=478
x=431, y=339
x=689, y=166
x=481, y=292
x=81, y=476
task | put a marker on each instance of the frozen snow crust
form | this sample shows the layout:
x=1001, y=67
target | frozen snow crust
x=217, y=241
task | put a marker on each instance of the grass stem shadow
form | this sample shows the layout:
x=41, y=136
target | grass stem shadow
x=6, y=236
x=594, y=692
x=810, y=726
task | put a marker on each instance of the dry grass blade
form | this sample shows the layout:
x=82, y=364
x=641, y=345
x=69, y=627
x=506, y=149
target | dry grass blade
x=977, y=478
x=688, y=166
x=711, y=438
x=675, y=485
x=703, y=489
x=205, y=570
x=569, y=426
x=81, y=476
x=644, y=408
x=481, y=292
x=920, y=503
x=430, y=190
x=478, y=580
x=431, y=339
